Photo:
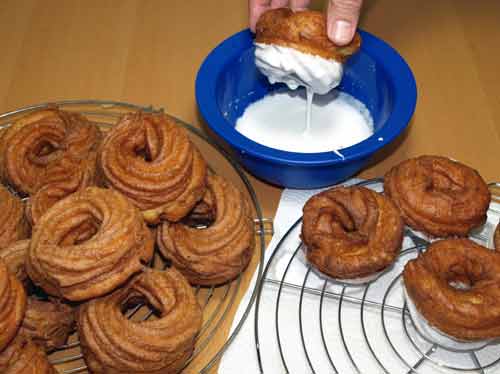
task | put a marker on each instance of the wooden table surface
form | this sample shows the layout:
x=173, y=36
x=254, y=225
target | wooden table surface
x=148, y=52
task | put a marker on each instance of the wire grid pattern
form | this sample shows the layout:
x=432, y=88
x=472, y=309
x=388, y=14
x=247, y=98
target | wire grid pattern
x=323, y=326
x=216, y=302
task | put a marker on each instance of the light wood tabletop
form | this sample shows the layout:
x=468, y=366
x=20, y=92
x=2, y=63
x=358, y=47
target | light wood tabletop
x=148, y=52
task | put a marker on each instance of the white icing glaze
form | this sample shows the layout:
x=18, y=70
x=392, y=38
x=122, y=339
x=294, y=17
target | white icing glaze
x=279, y=120
x=296, y=69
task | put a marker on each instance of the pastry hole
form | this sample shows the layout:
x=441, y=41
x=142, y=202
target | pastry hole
x=459, y=285
x=138, y=308
x=81, y=233
x=144, y=154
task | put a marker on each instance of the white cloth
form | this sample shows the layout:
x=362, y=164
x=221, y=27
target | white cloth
x=241, y=357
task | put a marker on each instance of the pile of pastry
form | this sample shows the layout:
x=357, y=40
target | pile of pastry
x=354, y=234
x=77, y=254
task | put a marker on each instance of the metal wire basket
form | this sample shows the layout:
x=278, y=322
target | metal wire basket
x=219, y=303
x=305, y=323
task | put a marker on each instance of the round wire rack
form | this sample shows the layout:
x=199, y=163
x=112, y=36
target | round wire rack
x=306, y=323
x=218, y=303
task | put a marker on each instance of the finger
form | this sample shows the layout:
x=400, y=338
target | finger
x=255, y=10
x=299, y=4
x=343, y=17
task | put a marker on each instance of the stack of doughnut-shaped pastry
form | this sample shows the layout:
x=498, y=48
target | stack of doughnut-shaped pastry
x=77, y=254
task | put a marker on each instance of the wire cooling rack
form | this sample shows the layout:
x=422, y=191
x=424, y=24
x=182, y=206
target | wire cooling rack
x=305, y=323
x=218, y=303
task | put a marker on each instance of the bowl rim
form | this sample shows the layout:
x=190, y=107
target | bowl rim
x=398, y=71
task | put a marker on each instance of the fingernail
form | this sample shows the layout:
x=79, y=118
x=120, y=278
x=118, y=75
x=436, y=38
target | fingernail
x=340, y=31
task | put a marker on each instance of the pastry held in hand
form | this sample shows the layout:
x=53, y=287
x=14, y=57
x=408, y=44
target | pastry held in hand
x=23, y=356
x=351, y=232
x=294, y=48
x=150, y=159
x=88, y=244
x=221, y=251
x=12, y=305
x=438, y=196
x=470, y=312
x=113, y=344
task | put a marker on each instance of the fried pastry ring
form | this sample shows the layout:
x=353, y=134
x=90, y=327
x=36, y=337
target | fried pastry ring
x=113, y=344
x=438, y=196
x=496, y=238
x=351, y=232
x=150, y=160
x=14, y=257
x=304, y=31
x=219, y=252
x=47, y=323
x=470, y=314
x=23, y=356
x=13, y=225
x=12, y=305
x=39, y=139
x=88, y=244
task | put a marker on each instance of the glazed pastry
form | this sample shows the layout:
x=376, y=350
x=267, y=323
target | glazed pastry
x=219, y=252
x=23, y=356
x=113, y=344
x=470, y=313
x=438, y=196
x=47, y=323
x=39, y=139
x=304, y=31
x=13, y=226
x=351, y=232
x=88, y=244
x=61, y=179
x=150, y=160
x=14, y=257
x=12, y=305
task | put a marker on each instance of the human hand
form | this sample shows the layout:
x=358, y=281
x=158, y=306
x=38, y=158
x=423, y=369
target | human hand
x=342, y=18
x=257, y=7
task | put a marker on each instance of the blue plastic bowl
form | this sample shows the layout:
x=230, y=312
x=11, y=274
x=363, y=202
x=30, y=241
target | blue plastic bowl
x=228, y=81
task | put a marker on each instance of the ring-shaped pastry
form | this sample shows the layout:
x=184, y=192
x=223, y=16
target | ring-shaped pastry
x=113, y=344
x=469, y=312
x=438, y=196
x=351, y=232
x=88, y=244
x=150, y=159
x=219, y=252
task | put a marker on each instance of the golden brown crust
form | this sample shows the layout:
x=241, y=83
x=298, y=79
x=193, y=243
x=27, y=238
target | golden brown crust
x=12, y=305
x=438, y=196
x=304, y=31
x=61, y=179
x=351, y=232
x=13, y=225
x=113, y=344
x=220, y=252
x=472, y=314
x=47, y=323
x=22, y=356
x=150, y=160
x=39, y=139
x=14, y=257
x=88, y=244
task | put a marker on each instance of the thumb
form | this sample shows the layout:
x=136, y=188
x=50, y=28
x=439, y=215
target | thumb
x=342, y=20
